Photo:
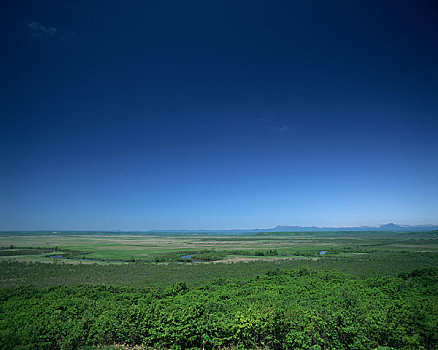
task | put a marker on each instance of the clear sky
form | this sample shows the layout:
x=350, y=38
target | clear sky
x=217, y=114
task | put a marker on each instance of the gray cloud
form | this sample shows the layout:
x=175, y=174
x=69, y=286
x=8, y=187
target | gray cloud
x=37, y=30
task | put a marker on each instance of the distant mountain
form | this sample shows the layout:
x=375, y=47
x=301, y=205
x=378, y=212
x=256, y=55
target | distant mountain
x=391, y=227
x=386, y=227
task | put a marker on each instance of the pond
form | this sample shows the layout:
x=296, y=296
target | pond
x=189, y=256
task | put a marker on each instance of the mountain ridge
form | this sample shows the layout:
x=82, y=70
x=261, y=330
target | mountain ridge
x=286, y=228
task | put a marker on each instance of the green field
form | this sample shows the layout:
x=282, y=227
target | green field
x=156, y=248
x=313, y=290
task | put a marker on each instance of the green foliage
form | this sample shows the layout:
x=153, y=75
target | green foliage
x=375, y=291
x=295, y=309
x=14, y=251
x=161, y=275
x=209, y=255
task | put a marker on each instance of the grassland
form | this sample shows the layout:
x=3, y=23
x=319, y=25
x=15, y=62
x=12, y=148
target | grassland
x=368, y=290
x=124, y=247
x=155, y=260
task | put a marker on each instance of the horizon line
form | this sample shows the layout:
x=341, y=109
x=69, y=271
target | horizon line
x=220, y=229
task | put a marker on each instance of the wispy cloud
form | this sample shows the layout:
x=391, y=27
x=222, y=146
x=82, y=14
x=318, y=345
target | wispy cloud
x=281, y=128
x=265, y=119
x=269, y=122
x=37, y=30
x=40, y=31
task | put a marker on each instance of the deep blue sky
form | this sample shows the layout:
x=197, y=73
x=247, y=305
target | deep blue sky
x=218, y=114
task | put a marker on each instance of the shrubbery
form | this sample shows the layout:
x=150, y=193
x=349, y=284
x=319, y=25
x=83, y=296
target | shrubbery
x=296, y=309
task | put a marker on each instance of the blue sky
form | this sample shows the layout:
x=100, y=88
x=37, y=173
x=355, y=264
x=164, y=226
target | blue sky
x=218, y=114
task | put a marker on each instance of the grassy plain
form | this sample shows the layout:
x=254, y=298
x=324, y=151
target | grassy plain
x=126, y=247
x=368, y=290
x=130, y=259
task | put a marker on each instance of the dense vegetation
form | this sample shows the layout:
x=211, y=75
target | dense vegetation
x=297, y=309
x=160, y=276
x=364, y=292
